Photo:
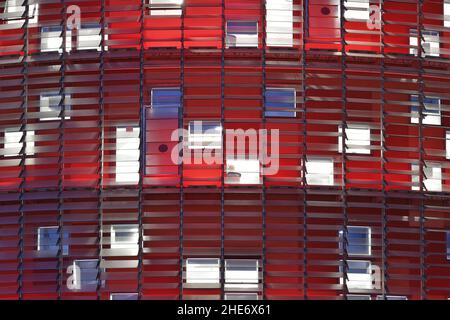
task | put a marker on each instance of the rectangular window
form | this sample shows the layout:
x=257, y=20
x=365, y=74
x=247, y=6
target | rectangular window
x=48, y=241
x=430, y=43
x=447, y=14
x=279, y=23
x=127, y=155
x=50, y=107
x=166, y=7
x=13, y=142
x=242, y=171
x=431, y=112
x=357, y=139
x=447, y=144
x=202, y=271
x=242, y=34
x=165, y=103
x=85, y=274
x=89, y=37
x=432, y=179
x=52, y=39
x=358, y=297
x=380, y=297
x=280, y=102
x=241, y=274
x=15, y=12
x=241, y=296
x=125, y=236
x=359, y=274
x=359, y=241
x=357, y=10
x=123, y=296
x=205, y=135
x=319, y=171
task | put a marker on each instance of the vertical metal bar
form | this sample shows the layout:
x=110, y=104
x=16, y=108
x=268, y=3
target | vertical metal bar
x=181, y=143
x=222, y=176
x=23, y=129
x=102, y=156
x=62, y=115
x=384, y=218
x=421, y=54
x=142, y=132
x=305, y=151
x=264, y=120
x=344, y=148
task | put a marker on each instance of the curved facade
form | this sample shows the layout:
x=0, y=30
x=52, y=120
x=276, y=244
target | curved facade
x=97, y=204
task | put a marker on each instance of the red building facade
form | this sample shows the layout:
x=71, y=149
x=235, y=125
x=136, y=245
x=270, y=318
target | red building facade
x=94, y=207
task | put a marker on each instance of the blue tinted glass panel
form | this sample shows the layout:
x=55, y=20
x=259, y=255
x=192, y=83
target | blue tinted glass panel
x=165, y=103
x=242, y=27
x=280, y=99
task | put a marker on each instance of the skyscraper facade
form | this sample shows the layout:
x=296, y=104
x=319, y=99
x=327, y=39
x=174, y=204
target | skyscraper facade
x=225, y=149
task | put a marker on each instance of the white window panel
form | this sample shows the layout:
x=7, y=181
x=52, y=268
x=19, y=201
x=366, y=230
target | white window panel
x=205, y=135
x=89, y=37
x=52, y=37
x=15, y=9
x=359, y=274
x=357, y=10
x=125, y=236
x=279, y=23
x=447, y=144
x=359, y=241
x=431, y=113
x=241, y=274
x=202, y=271
x=320, y=171
x=358, y=297
x=85, y=274
x=50, y=108
x=242, y=171
x=166, y=7
x=13, y=143
x=447, y=14
x=123, y=296
x=48, y=238
x=358, y=139
x=432, y=179
x=127, y=155
x=430, y=43
x=242, y=34
x=380, y=297
x=241, y=296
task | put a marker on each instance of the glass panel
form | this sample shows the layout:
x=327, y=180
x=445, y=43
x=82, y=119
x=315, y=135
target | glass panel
x=359, y=240
x=320, y=171
x=205, y=135
x=166, y=7
x=241, y=273
x=50, y=106
x=357, y=10
x=358, y=137
x=202, y=271
x=242, y=34
x=48, y=241
x=124, y=296
x=281, y=99
x=279, y=23
x=127, y=155
x=165, y=103
x=242, y=171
